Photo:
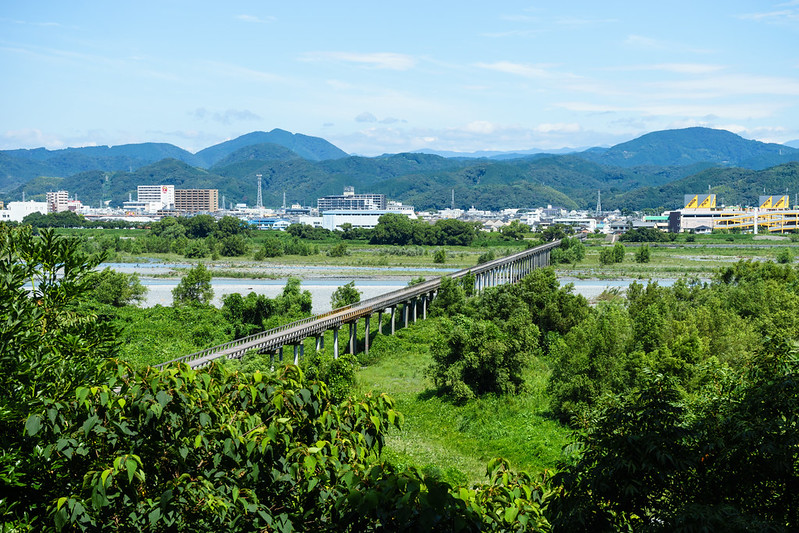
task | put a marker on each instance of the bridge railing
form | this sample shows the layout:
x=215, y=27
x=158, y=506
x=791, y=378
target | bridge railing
x=349, y=313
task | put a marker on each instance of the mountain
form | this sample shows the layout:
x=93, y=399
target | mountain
x=792, y=144
x=693, y=145
x=311, y=148
x=732, y=186
x=494, y=154
x=19, y=166
x=654, y=170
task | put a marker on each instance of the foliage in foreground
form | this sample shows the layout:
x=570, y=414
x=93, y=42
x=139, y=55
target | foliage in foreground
x=89, y=443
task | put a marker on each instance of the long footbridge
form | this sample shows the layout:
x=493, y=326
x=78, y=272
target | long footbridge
x=413, y=302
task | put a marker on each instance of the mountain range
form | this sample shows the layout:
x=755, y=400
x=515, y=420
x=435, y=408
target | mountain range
x=653, y=171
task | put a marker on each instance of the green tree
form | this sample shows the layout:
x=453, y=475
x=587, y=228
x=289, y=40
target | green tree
x=199, y=226
x=440, y=256
x=345, y=295
x=194, y=288
x=234, y=245
x=475, y=357
x=643, y=254
x=116, y=288
x=515, y=231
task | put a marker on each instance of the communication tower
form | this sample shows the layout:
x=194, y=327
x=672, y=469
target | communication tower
x=260, y=202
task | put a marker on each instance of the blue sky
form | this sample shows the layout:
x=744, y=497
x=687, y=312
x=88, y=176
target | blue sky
x=374, y=78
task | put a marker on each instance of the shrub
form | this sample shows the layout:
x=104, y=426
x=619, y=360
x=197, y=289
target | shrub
x=345, y=295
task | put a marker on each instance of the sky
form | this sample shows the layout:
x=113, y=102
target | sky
x=375, y=77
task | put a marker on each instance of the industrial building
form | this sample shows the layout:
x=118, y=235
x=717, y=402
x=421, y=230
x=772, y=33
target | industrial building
x=700, y=215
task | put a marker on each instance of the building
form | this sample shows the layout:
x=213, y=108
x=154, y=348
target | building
x=270, y=223
x=196, y=200
x=57, y=201
x=358, y=218
x=16, y=211
x=350, y=201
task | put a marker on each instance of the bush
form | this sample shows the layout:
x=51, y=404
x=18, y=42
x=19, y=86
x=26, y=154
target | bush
x=785, y=255
x=475, y=357
x=338, y=250
x=345, y=295
x=440, y=256
x=116, y=288
x=642, y=255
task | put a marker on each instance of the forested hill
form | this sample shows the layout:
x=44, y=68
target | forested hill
x=693, y=145
x=655, y=170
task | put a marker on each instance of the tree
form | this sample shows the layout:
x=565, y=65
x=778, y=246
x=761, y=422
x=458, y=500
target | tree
x=642, y=255
x=116, y=288
x=234, y=245
x=393, y=228
x=228, y=225
x=475, y=357
x=514, y=231
x=194, y=288
x=199, y=226
x=345, y=295
x=51, y=345
x=440, y=256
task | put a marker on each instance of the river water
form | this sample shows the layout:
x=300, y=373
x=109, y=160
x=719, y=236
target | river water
x=319, y=281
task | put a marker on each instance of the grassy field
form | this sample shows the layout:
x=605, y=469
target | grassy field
x=457, y=441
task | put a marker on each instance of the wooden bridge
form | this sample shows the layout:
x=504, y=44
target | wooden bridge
x=414, y=302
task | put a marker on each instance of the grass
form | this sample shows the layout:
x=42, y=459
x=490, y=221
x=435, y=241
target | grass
x=458, y=441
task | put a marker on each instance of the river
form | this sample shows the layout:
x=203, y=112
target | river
x=322, y=288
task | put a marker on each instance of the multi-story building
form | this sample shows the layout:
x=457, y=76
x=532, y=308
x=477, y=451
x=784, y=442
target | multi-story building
x=157, y=196
x=57, y=201
x=350, y=201
x=196, y=200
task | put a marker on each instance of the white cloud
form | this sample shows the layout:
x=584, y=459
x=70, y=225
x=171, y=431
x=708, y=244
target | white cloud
x=230, y=70
x=366, y=117
x=378, y=60
x=677, y=68
x=254, y=19
x=227, y=116
x=517, y=69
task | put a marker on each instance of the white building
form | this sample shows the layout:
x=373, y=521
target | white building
x=334, y=219
x=16, y=211
x=156, y=197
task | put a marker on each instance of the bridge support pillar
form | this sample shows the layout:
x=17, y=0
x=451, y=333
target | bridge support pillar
x=366, y=335
x=298, y=348
x=320, y=342
x=280, y=354
x=405, y=314
x=335, y=342
x=380, y=322
x=414, y=306
x=353, y=336
x=393, y=318
x=424, y=307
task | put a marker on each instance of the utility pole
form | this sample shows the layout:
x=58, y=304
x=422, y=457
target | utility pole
x=598, y=203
